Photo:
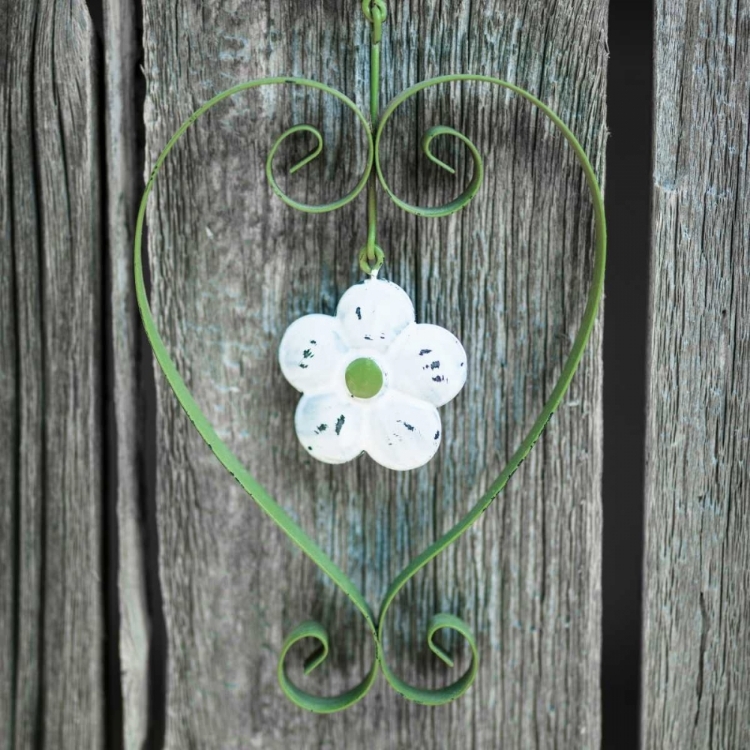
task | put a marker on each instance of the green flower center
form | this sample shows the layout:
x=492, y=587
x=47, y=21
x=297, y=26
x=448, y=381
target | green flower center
x=364, y=378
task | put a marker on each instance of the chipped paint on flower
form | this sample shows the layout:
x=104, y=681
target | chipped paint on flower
x=371, y=378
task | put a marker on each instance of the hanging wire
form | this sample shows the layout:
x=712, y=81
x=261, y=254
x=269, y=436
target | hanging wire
x=371, y=257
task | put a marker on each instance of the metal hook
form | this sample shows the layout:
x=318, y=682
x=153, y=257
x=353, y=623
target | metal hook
x=379, y=6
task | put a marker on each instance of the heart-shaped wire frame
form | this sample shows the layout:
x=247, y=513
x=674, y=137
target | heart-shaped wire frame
x=330, y=704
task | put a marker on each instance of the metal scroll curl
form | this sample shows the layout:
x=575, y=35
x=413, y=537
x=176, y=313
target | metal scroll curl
x=312, y=630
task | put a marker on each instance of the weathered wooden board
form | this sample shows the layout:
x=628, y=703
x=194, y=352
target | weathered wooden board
x=696, y=672
x=51, y=684
x=9, y=411
x=232, y=267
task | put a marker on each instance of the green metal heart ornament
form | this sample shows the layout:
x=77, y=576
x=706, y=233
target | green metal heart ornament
x=366, y=381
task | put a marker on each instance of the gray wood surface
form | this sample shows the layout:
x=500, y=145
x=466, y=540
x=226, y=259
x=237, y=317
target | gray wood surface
x=125, y=415
x=51, y=633
x=9, y=411
x=232, y=267
x=696, y=670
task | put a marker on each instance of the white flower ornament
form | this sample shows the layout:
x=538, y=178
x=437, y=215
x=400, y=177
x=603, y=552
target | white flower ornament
x=372, y=378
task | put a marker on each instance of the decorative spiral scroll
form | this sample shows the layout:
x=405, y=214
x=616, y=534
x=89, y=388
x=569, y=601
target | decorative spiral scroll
x=315, y=631
x=434, y=132
x=317, y=703
x=325, y=207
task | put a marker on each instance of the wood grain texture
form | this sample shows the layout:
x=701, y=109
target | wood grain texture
x=9, y=411
x=126, y=415
x=50, y=451
x=696, y=674
x=232, y=267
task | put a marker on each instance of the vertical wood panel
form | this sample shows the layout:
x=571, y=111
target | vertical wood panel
x=52, y=692
x=232, y=267
x=10, y=413
x=696, y=684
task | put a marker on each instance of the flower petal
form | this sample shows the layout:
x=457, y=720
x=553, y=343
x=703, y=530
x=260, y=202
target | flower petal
x=403, y=433
x=428, y=362
x=310, y=352
x=373, y=313
x=330, y=426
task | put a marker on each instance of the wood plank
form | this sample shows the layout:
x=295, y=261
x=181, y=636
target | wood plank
x=696, y=676
x=123, y=194
x=51, y=242
x=232, y=267
x=10, y=412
